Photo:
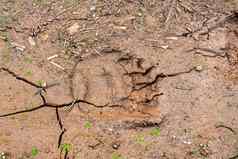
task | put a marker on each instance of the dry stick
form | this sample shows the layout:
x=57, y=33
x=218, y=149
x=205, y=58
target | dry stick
x=226, y=127
x=214, y=53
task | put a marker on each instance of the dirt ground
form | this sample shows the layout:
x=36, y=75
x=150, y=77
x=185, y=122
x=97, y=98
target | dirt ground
x=119, y=79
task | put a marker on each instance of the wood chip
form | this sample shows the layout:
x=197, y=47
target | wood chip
x=57, y=65
x=172, y=38
x=73, y=29
x=52, y=57
x=18, y=46
x=31, y=41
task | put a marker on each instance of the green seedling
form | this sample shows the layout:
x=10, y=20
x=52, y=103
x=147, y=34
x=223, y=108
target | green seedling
x=66, y=147
x=28, y=73
x=140, y=139
x=116, y=156
x=40, y=83
x=34, y=152
x=28, y=60
x=155, y=132
x=88, y=125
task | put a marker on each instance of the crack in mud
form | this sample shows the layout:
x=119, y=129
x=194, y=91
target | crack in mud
x=142, y=85
x=45, y=104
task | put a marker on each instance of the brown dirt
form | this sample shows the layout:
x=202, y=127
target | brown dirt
x=142, y=65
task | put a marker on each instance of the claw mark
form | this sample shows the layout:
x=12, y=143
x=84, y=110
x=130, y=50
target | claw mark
x=147, y=71
x=143, y=85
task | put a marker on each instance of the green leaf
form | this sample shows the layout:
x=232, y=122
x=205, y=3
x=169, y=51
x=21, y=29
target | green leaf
x=140, y=139
x=66, y=147
x=34, y=152
x=28, y=60
x=155, y=132
x=28, y=73
x=116, y=156
x=40, y=83
x=88, y=124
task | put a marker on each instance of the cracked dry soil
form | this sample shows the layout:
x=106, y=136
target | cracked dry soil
x=109, y=75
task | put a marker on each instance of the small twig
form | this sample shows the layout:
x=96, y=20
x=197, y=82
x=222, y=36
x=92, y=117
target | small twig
x=226, y=127
x=214, y=53
x=186, y=7
x=57, y=65
x=69, y=108
x=52, y=57
x=97, y=144
x=110, y=50
x=97, y=52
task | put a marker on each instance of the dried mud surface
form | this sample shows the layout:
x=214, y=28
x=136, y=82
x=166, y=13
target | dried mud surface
x=119, y=79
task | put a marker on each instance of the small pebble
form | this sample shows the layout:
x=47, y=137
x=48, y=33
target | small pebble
x=73, y=29
x=31, y=41
x=198, y=68
x=115, y=146
x=164, y=47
